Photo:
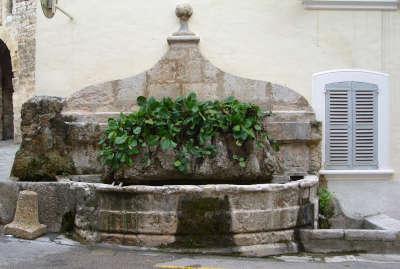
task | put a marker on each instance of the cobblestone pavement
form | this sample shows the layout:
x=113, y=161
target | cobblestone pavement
x=54, y=251
x=7, y=153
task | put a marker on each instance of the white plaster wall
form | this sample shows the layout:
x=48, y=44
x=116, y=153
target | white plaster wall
x=275, y=40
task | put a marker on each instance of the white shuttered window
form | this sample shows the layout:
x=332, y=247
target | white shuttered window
x=351, y=125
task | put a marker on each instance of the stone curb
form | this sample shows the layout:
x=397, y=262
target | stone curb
x=321, y=234
x=382, y=222
x=348, y=240
x=370, y=235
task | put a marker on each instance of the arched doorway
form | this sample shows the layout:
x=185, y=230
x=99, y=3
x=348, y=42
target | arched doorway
x=6, y=98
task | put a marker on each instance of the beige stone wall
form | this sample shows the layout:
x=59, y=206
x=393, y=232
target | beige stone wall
x=24, y=20
x=18, y=31
x=274, y=40
x=8, y=35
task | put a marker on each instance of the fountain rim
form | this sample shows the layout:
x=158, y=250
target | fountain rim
x=306, y=182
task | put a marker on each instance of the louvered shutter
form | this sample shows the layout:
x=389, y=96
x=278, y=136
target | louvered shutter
x=351, y=125
x=339, y=126
x=365, y=125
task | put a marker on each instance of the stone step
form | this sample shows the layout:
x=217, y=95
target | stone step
x=382, y=222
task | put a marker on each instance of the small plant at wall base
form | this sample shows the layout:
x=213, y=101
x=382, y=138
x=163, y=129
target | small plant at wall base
x=326, y=208
x=186, y=125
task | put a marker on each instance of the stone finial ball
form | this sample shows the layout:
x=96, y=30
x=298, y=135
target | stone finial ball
x=184, y=11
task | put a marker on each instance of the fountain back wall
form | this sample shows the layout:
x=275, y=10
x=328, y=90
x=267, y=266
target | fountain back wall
x=60, y=137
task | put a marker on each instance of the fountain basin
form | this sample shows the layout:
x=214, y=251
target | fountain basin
x=219, y=215
x=61, y=137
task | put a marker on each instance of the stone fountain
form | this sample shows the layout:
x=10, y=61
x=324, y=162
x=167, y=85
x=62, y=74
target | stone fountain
x=219, y=206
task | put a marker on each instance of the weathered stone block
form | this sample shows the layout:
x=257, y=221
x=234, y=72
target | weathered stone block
x=86, y=218
x=294, y=158
x=252, y=221
x=267, y=249
x=8, y=200
x=26, y=221
x=286, y=99
x=42, y=154
x=211, y=73
x=253, y=201
x=287, y=218
x=148, y=240
x=321, y=234
x=204, y=91
x=55, y=200
x=86, y=159
x=112, y=221
x=327, y=246
x=290, y=131
x=95, y=98
x=137, y=240
x=157, y=223
x=253, y=91
x=128, y=91
x=371, y=235
x=164, y=72
x=261, y=165
x=190, y=71
x=119, y=200
x=286, y=198
x=248, y=239
x=25, y=232
x=161, y=90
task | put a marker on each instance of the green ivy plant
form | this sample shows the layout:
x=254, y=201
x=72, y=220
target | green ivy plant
x=326, y=208
x=185, y=125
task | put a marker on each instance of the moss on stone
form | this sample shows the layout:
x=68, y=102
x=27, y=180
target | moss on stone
x=41, y=167
x=201, y=219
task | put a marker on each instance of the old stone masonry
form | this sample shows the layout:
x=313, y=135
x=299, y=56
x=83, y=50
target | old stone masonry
x=268, y=207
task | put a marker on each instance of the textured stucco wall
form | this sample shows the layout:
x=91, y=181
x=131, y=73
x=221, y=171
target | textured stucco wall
x=275, y=40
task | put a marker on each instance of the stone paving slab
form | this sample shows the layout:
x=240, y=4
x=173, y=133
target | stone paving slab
x=349, y=261
x=7, y=153
x=382, y=222
x=54, y=251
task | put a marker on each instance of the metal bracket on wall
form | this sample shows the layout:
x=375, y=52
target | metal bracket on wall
x=49, y=8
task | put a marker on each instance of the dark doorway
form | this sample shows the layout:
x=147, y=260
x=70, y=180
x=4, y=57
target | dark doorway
x=7, y=90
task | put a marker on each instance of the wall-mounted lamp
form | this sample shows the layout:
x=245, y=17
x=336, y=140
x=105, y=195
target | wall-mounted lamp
x=50, y=7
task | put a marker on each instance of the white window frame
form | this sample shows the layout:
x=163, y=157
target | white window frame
x=319, y=81
x=352, y=4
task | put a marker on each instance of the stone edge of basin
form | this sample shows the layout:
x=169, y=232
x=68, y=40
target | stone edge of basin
x=263, y=250
x=309, y=240
x=306, y=182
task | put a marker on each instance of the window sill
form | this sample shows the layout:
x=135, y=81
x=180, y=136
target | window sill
x=352, y=4
x=381, y=174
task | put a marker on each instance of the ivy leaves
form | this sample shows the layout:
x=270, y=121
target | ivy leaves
x=167, y=144
x=185, y=125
